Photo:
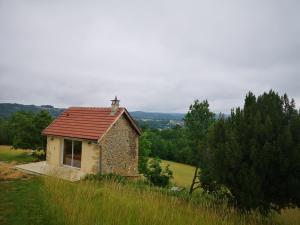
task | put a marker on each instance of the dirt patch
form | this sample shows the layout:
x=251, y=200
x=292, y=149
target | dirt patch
x=9, y=172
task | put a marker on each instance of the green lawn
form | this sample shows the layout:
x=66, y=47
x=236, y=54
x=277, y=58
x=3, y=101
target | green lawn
x=22, y=203
x=7, y=154
x=183, y=174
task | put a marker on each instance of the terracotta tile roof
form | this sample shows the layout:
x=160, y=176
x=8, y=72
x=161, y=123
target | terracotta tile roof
x=85, y=122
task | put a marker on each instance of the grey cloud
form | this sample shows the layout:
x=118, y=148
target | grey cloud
x=155, y=55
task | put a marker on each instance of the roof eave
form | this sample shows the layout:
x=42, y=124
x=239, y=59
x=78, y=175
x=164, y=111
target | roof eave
x=124, y=110
x=138, y=130
x=65, y=136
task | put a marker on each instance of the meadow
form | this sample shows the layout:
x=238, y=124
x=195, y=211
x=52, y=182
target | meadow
x=8, y=154
x=182, y=173
x=47, y=201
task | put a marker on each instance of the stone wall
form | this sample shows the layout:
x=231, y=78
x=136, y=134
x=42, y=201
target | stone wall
x=119, y=149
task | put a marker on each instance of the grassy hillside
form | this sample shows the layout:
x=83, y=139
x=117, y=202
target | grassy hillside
x=111, y=203
x=50, y=201
x=182, y=173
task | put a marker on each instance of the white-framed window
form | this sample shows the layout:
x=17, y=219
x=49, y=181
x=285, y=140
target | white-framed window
x=72, y=150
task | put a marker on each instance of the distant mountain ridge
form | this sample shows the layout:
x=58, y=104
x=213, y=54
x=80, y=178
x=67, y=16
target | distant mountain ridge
x=157, y=115
x=150, y=119
x=155, y=120
x=7, y=109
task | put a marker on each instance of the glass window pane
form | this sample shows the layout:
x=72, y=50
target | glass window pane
x=77, y=153
x=67, y=160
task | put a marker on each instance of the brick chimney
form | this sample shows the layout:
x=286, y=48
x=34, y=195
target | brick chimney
x=114, y=105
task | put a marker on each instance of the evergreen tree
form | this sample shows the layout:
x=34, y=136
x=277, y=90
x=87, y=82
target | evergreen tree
x=255, y=154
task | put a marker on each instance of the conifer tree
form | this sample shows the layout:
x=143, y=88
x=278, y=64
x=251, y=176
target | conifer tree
x=255, y=154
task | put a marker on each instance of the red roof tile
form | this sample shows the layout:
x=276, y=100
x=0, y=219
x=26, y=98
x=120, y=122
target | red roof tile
x=85, y=122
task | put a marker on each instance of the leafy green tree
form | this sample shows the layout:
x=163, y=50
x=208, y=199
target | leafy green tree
x=158, y=145
x=170, y=144
x=197, y=121
x=144, y=151
x=41, y=120
x=25, y=129
x=5, y=138
x=255, y=154
x=22, y=129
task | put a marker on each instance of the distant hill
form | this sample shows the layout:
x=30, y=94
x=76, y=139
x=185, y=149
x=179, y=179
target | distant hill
x=150, y=119
x=157, y=116
x=7, y=109
x=158, y=120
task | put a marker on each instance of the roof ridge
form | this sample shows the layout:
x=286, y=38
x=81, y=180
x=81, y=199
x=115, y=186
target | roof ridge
x=90, y=107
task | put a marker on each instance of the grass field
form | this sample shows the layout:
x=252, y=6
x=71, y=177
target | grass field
x=22, y=203
x=50, y=201
x=182, y=173
x=8, y=154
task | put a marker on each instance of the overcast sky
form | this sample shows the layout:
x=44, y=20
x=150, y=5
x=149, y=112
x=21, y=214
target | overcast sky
x=154, y=55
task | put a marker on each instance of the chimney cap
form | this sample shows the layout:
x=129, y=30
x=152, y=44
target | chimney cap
x=116, y=100
x=114, y=105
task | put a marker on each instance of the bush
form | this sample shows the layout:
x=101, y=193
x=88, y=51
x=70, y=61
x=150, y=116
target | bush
x=39, y=154
x=156, y=175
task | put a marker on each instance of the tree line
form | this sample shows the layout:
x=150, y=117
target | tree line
x=23, y=129
x=169, y=144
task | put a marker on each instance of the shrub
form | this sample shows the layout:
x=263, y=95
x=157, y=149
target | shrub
x=39, y=154
x=107, y=177
x=156, y=175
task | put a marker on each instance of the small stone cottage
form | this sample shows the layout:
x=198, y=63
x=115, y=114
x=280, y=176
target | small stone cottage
x=94, y=140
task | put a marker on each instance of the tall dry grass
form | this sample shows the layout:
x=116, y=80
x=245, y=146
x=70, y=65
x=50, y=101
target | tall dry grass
x=110, y=203
x=9, y=172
